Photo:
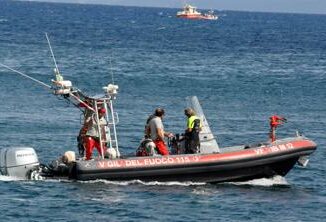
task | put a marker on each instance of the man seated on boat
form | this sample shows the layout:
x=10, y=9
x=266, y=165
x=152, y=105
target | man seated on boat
x=147, y=146
x=155, y=131
x=92, y=137
x=60, y=166
x=194, y=125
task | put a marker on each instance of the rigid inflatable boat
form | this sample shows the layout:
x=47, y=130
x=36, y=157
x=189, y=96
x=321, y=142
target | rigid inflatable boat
x=234, y=164
x=211, y=164
x=239, y=163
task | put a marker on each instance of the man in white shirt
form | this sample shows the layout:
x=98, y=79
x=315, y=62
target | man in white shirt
x=155, y=130
x=92, y=138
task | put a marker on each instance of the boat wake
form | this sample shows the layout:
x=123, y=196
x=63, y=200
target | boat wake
x=265, y=182
x=152, y=183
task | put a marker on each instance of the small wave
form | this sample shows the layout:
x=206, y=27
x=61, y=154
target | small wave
x=172, y=183
x=57, y=180
x=202, y=191
x=265, y=182
x=3, y=20
x=109, y=199
x=152, y=183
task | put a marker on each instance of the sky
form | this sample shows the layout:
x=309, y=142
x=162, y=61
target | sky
x=291, y=6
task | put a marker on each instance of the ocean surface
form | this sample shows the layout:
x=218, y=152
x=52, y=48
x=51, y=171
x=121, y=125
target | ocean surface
x=243, y=67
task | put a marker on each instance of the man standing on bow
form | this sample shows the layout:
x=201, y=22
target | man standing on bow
x=274, y=122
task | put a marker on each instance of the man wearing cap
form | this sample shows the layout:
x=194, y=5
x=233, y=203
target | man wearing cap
x=155, y=130
x=92, y=138
x=194, y=125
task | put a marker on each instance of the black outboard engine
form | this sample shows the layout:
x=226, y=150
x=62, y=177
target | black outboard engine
x=18, y=161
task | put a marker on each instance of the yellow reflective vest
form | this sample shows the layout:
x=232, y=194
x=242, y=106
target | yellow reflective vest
x=190, y=122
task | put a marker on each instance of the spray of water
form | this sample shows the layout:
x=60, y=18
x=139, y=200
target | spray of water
x=9, y=178
x=265, y=182
x=152, y=183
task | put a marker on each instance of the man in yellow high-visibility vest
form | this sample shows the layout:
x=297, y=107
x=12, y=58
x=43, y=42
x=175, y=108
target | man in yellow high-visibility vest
x=194, y=125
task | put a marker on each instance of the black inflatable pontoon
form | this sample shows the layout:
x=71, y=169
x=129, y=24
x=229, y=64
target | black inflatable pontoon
x=235, y=164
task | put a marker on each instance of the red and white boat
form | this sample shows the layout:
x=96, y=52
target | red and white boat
x=211, y=164
x=190, y=12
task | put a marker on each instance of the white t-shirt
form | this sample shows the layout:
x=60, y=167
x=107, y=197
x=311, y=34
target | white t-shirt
x=93, y=129
x=154, y=124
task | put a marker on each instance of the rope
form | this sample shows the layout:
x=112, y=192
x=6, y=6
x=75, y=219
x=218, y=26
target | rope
x=27, y=76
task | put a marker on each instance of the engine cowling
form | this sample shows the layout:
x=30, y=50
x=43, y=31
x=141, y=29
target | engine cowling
x=18, y=161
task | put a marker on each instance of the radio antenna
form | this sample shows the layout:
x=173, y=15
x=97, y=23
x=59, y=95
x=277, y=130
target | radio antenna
x=55, y=62
x=111, y=70
x=26, y=76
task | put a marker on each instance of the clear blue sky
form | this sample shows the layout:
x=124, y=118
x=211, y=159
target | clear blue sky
x=296, y=6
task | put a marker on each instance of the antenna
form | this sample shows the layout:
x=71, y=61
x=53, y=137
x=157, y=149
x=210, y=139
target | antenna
x=58, y=76
x=111, y=70
x=26, y=76
x=55, y=62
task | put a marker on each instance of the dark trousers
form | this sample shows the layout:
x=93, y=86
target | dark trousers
x=192, y=144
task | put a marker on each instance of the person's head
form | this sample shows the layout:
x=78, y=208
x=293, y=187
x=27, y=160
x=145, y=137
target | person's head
x=101, y=111
x=189, y=112
x=159, y=112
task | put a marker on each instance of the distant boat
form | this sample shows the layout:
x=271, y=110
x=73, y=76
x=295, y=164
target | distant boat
x=190, y=12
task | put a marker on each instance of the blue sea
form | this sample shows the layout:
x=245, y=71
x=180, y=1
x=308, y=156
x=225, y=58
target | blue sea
x=244, y=67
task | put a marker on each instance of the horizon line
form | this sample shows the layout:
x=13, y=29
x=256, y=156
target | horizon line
x=137, y=6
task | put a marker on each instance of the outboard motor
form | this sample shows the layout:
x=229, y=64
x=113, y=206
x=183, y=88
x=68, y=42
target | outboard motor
x=18, y=161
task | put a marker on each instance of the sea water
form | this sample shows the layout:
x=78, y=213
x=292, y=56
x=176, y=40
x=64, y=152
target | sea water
x=243, y=67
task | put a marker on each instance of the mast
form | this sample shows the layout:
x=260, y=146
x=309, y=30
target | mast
x=56, y=69
x=26, y=76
